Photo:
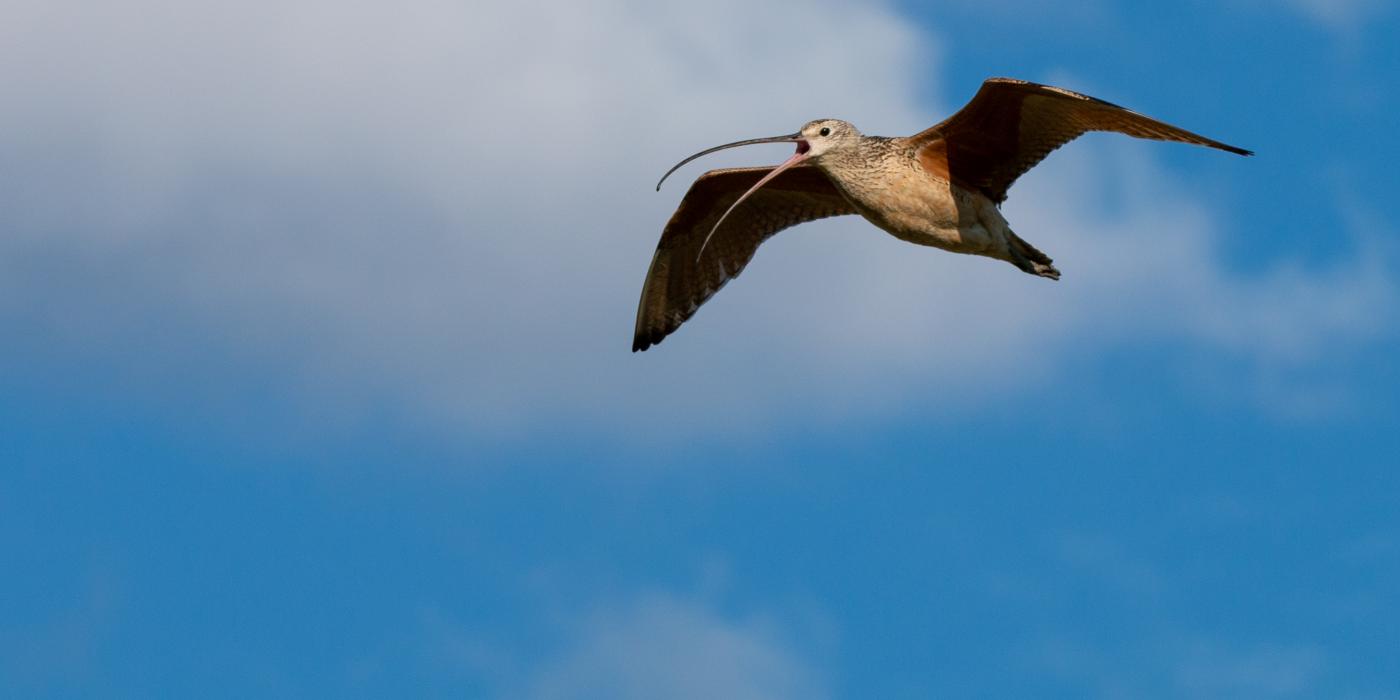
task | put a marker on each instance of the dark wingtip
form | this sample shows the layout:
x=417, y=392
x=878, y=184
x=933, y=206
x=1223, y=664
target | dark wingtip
x=1233, y=149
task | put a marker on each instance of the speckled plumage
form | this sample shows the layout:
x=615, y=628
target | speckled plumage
x=681, y=279
x=885, y=182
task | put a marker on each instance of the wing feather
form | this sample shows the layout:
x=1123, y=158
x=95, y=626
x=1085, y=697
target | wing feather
x=1011, y=125
x=677, y=284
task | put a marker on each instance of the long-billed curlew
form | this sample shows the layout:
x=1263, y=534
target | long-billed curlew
x=941, y=187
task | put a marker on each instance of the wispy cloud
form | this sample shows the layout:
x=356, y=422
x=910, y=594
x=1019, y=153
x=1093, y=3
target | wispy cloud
x=1336, y=14
x=1210, y=670
x=1187, y=667
x=661, y=647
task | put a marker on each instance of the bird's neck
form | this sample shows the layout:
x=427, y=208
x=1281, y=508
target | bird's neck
x=851, y=168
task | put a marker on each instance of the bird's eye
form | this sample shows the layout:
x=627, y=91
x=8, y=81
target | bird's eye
x=825, y=131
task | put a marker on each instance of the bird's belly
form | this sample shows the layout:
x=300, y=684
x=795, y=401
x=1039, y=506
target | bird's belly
x=928, y=211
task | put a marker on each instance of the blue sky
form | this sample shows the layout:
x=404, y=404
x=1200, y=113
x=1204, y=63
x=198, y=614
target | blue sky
x=316, y=379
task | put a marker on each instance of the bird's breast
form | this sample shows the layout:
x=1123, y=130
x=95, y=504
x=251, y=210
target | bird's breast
x=913, y=205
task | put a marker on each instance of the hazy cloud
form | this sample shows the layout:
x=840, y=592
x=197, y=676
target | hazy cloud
x=661, y=647
x=1336, y=14
x=446, y=208
x=1213, y=670
x=1187, y=667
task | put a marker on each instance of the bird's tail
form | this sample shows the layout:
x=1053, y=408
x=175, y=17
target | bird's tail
x=1026, y=257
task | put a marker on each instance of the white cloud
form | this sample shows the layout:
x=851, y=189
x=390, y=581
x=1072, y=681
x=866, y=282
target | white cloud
x=447, y=206
x=660, y=647
x=1155, y=268
x=1211, y=670
x=1336, y=14
x=1187, y=667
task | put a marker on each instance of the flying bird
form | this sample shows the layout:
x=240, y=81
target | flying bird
x=942, y=187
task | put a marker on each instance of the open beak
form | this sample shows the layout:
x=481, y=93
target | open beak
x=798, y=157
x=789, y=138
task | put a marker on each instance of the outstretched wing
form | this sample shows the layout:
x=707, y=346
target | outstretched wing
x=1010, y=125
x=677, y=283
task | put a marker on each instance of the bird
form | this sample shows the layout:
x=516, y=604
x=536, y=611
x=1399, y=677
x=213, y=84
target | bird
x=942, y=187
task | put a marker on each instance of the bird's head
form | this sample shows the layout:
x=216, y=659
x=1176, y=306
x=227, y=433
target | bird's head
x=815, y=139
x=822, y=136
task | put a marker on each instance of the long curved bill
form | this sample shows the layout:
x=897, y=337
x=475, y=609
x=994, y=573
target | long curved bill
x=796, y=158
x=789, y=138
